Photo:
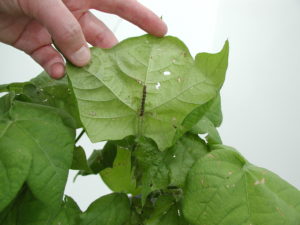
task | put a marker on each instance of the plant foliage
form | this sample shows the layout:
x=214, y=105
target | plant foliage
x=149, y=99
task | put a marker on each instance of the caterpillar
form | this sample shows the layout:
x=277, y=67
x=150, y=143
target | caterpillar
x=143, y=100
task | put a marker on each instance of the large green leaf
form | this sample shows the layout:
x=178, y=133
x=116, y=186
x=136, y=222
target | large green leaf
x=35, y=146
x=223, y=188
x=144, y=86
x=113, y=209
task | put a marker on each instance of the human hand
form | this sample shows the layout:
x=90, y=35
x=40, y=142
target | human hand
x=30, y=25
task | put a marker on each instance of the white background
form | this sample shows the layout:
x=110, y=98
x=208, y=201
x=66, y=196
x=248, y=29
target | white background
x=261, y=94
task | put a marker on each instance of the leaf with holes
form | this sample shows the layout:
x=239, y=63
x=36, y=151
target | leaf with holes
x=158, y=170
x=205, y=126
x=223, y=188
x=144, y=86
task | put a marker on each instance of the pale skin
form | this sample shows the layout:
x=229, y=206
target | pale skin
x=31, y=25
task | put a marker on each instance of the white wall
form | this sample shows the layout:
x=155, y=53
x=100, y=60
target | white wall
x=260, y=96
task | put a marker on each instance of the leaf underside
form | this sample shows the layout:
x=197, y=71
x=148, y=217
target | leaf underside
x=149, y=99
x=144, y=86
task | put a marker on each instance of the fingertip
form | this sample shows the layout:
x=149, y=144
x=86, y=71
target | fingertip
x=163, y=29
x=57, y=70
x=81, y=57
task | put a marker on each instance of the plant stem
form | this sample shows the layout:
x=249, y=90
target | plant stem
x=79, y=136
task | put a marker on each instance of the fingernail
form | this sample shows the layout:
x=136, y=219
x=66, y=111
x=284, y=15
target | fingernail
x=82, y=56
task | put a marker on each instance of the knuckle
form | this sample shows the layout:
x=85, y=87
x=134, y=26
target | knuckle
x=71, y=33
x=101, y=37
x=120, y=7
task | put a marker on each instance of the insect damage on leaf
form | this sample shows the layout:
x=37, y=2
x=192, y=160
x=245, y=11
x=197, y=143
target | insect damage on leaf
x=149, y=77
x=145, y=95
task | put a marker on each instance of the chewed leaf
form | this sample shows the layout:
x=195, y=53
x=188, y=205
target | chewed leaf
x=205, y=126
x=144, y=86
x=170, y=167
x=223, y=188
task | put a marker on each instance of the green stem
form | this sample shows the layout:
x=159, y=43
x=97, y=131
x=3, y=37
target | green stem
x=79, y=136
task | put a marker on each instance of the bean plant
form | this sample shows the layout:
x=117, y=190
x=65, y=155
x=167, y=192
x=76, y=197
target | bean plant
x=158, y=110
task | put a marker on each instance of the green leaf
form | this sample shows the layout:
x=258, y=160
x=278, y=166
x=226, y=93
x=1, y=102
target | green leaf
x=79, y=159
x=17, y=88
x=94, y=163
x=35, y=146
x=180, y=158
x=214, y=112
x=27, y=210
x=69, y=213
x=5, y=104
x=205, y=126
x=56, y=93
x=223, y=188
x=169, y=168
x=101, y=159
x=112, y=209
x=151, y=173
x=210, y=110
x=134, y=219
x=120, y=177
x=46, y=91
x=144, y=86
x=166, y=211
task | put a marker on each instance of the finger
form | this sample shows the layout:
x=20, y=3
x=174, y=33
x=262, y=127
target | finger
x=50, y=60
x=96, y=32
x=64, y=29
x=36, y=41
x=12, y=27
x=136, y=13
